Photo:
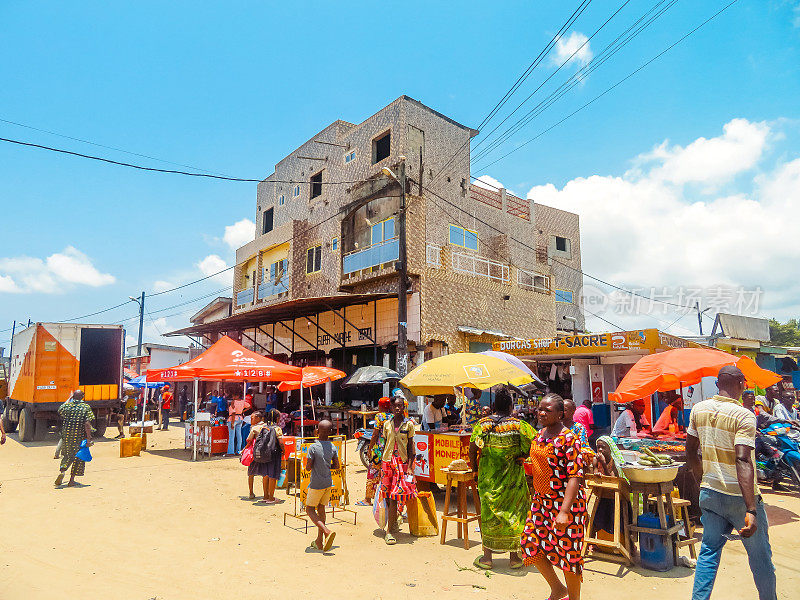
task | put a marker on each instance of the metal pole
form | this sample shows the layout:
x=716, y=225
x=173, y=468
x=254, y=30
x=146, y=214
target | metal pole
x=195, y=428
x=11, y=353
x=302, y=416
x=139, y=344
x=402, y=284
x=699, y=317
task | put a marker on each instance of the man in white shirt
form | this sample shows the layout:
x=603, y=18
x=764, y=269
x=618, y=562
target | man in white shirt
x=432, y=414
x=785, y=410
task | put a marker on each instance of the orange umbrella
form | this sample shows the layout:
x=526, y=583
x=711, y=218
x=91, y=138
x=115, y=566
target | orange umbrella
x=666, y=371
x=312, y=376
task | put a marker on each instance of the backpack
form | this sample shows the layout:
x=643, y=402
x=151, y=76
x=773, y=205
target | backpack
x=266, y=445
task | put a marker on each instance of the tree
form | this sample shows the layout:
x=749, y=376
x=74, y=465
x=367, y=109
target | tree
x=784, y=334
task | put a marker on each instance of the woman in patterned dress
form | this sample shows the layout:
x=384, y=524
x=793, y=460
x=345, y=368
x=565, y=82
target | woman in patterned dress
x=503, y=441
x=554, y=530
x=76, y=426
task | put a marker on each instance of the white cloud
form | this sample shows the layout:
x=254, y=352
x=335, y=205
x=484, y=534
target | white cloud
x=643, y=230
x=59, y=271
x=214, y=264
x=161, y=285
x=710, y=161
x=488, y=183
x=239, y=233
x=565, y=47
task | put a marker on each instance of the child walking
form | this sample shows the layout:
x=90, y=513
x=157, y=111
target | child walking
x=322, y=455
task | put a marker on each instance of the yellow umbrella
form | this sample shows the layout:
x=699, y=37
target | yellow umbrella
x=462, y=369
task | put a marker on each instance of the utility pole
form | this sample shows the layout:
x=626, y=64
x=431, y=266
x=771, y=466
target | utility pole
x=140, y=301
x=11, y=353
x=402, y=284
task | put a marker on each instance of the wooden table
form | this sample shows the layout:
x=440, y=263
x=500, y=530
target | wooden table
x=363, y=413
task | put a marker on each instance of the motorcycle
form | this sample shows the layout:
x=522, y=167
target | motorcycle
x=778, y=454
x=364, y=437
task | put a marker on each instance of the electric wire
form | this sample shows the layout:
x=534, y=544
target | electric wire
x=617, y=84
x=622, y=40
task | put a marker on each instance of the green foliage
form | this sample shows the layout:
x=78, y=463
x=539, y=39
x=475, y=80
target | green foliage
x=784, y=334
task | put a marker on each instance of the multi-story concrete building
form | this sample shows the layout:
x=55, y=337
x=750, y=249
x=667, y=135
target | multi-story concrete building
x=319, y=281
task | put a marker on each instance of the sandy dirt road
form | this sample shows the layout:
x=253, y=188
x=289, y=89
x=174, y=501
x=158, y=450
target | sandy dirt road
x=160, y=526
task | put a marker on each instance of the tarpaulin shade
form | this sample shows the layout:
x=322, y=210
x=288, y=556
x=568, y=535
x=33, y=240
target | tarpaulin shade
x=312, y=376
x=230, y=361
x=370, y=375
x=666, y=371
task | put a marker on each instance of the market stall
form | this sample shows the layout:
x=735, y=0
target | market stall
x=225, y=360
x=451, y=374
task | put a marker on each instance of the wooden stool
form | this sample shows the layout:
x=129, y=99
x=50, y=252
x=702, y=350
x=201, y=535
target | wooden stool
x=685, y=538
x=618, y=548
x=462, y=480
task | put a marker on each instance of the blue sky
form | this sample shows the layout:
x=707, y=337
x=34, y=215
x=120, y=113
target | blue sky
x=232, y=88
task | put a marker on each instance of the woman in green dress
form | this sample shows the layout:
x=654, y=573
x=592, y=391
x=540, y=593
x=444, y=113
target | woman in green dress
x=76, y=425
x=498, y=446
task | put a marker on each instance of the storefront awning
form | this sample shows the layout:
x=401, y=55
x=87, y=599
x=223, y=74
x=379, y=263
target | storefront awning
x=281, y=311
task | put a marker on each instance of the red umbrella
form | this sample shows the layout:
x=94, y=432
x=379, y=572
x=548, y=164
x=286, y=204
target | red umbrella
x=666, y=371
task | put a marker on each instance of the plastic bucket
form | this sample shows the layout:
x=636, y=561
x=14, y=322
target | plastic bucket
x=655, y=551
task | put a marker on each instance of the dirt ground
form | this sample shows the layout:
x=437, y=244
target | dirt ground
x=160, y=526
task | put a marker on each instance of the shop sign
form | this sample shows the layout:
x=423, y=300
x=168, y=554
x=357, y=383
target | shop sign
x=638, y=340
x=422, y=447
x=436, y=451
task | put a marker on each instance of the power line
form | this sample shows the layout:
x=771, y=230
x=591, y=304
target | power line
x=620, y=82
x=520, y=80
x=571, y=56
x=170, y=171
x=76, y=139
x=581, y=74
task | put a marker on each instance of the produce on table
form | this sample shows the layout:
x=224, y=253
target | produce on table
x=651, y=459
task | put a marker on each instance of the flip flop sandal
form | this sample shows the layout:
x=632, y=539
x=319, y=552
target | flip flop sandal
x=329, y=541
x=518, y=565
x=59, y=479
x=481, y=565
x=389, y=539
x=314, y=546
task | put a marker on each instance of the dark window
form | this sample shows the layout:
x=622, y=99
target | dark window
x=561, y=244
x=316, y=185
x=268, y=220
x=101, y=351
x=381, y=147
x=314, y=259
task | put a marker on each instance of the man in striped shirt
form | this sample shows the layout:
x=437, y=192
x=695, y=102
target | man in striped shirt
x=723, y=432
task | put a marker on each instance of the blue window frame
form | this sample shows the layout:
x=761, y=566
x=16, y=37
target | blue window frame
x=563, y=296
x=465, y=238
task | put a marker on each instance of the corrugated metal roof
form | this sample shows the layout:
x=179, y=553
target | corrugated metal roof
x=743, y=328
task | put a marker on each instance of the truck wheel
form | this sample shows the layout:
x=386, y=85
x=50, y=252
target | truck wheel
x=27, y=425
x=9, y=426
x=100, y=424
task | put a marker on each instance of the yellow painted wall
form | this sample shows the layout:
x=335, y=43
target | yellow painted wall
x=274, y=254
x=247, y=269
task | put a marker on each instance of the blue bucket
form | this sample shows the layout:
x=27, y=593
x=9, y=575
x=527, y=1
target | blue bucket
x=83, y=452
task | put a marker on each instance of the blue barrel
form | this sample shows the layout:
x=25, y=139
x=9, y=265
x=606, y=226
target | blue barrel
x=655, y=551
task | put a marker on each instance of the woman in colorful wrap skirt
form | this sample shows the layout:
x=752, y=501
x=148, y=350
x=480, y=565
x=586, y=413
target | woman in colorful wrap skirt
x=554, y=530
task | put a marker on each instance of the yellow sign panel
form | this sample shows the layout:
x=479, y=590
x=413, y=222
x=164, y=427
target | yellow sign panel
x=647, y=340
x=338, y=493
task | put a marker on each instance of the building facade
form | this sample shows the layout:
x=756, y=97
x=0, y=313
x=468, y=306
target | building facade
x=318, y=284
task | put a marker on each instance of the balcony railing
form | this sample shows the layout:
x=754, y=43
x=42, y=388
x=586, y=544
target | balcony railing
x=271, y=289
x=481, y=267
x=533, y=281
x=433, y=255
x=373, y=256
x=245, y=296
